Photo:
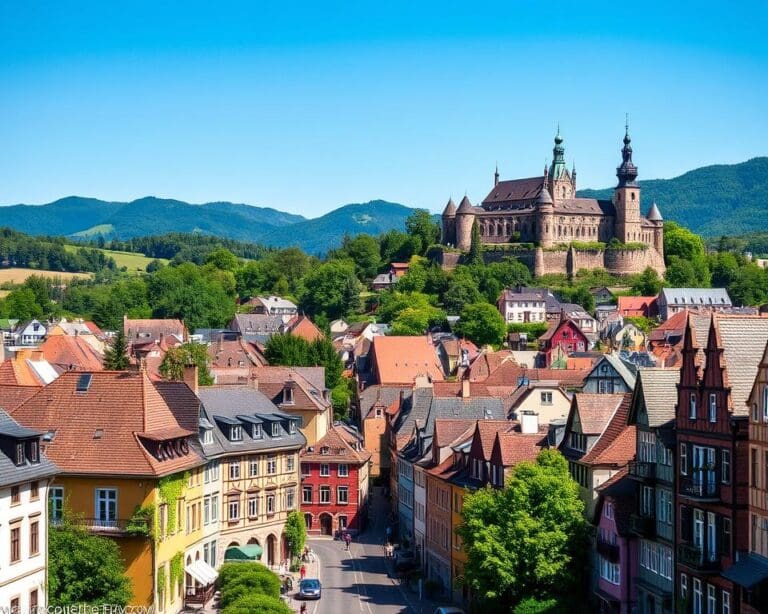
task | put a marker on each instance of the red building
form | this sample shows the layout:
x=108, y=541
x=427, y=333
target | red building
x=334, y=483
x=561, y=339
x=719, y=366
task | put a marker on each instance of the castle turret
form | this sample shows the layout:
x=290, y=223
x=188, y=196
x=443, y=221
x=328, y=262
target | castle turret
x=546, y=210
x=560, y=183
x=626, y=196
x=654, y=216
x=449, y=223
x=465, y=218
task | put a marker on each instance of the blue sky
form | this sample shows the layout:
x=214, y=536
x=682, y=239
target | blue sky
x=307, y=106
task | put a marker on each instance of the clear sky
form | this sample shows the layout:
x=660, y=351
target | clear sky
x=305, y=106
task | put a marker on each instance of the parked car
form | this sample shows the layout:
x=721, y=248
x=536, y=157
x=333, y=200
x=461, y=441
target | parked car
x=310, y=588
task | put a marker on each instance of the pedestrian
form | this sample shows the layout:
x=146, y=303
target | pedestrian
x=303, y=608
x=347, y=539
x=303, y=571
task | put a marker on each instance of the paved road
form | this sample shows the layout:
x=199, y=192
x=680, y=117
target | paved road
x=357, y=581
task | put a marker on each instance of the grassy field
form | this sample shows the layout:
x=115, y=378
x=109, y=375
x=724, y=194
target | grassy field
x=135, y=263
x=18, y=276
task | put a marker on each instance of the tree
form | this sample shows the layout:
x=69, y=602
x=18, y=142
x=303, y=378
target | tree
x=685, y=254
x=462, y=290
x=393, y=303
x=295, y=532
x=413, y=321
x=475, y=254
x=323, y=354
x=187, y=354
x=424, y=230
x=288, y=350
x=84, y=568
x=21, y=305
x=116, y=355
x=364, y=251
x=263, y=604
x=482, y=324
x=648, y=283
x=222, y=259
x=238, y=580
x=331, y=289
x=528, y=540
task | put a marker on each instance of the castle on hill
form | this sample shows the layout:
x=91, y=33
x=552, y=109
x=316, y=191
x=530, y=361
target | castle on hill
x=545, y=211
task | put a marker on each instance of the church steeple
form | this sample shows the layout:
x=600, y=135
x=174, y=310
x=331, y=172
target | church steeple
x=558, y=157
x=496, y=175
x=627, y=171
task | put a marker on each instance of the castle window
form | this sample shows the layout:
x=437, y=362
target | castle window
x=563, y=191
x=632, y=194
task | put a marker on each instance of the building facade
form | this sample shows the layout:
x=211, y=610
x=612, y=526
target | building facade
x=546, y=211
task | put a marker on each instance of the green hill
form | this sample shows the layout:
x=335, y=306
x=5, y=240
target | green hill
x=724, y=199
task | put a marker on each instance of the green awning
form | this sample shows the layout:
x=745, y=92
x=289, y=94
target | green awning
x=249, y=552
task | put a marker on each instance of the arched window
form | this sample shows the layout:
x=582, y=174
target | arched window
x=692, y=407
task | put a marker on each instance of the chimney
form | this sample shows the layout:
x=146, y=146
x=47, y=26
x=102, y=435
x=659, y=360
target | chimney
x=529, y=422
x=465, y=388
x=190, y=377
x=255, y=381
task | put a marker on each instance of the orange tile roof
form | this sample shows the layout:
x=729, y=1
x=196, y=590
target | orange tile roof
x=486, y=432
x=617, y=444
x=399, y=360
x=516, y=447
x=302, y=326
x=227, y=354
x=152, y=329
x=71, y=353
x=595, y=411
x=636, y=305
x=448, y=430
x=488, y=362
x=97, y=431
x=343, y=447
x=507, y=374
x=16, y=371
x=11, y=396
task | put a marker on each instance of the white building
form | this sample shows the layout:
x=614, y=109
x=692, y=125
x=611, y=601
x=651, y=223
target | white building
x=675, y=300
x=522, y=306
x=24, y=477
x=275, y=306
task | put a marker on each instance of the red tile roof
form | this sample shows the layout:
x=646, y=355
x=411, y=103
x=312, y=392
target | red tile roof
x=595, y=411
x=302, y=326
x=516, y=447
x=342, y=447
x=636, y=305
x=12, y=396
x=69, y=353
x=447, y=430
x=486, y=431
x=97, y=431
x=152, y=329
x=617, y=444
x=399, y=360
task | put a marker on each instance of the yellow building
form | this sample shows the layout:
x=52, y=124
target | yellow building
x=257, y=446
x=458, y=555
x=122, y=443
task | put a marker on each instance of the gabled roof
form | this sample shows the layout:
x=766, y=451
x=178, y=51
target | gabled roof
x=232, y=351
x=399, y=360
x=71, y=353
x=309, y=384
x=656, y=389
x=697, y=297
x=447, y=430
x=556, y=326
x=302, y=326
x=619, y=366
x=485, y=435
x=152, y=329
x=617, y=443
x=632, y=304
x=621, y=489
x=515, y=190
x=595, y=410
x=10, y=472
x=12, y=396
x=340, y=444
x=100, y=423
x=515, y=447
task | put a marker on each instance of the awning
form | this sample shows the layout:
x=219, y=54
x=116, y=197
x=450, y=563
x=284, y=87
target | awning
x=747, y=571
x=202, y=572
x=249, y=552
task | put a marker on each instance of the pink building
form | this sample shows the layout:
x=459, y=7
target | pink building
x=616, y=556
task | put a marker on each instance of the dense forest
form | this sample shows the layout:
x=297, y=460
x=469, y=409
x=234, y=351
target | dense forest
x=48, y=253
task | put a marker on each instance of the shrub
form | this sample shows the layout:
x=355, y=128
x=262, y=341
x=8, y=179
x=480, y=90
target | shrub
x=536, y=606
x=238, y=579
x=263, y=604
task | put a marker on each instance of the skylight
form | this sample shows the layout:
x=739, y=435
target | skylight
x=84, y=382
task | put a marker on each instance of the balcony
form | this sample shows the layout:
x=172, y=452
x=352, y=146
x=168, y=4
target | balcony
x=129, y=527
x=642, y=470
x=694, y=557
x=701, y=487
x=608, y=550
x=644, y=526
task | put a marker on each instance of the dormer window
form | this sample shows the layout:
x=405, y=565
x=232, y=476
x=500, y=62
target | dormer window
x=206, y=436
x=275, y=429
x=34, y=452
x=19, y=454
x=325, y=450
x=236, y=433
x=257, y=431
x=288, y=395
x=292, y=427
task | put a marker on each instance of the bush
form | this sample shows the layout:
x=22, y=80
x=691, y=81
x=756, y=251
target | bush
x=536, y=606
x=534, y=329
x=239, y=579
x=263, y=604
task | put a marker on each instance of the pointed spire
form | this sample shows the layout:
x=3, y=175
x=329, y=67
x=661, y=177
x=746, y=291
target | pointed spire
x=496, y=175
x=465, y=206
x=558, y=156
x=627, y=171
x=654, y=215
x=450, y=209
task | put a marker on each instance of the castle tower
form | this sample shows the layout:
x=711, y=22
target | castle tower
x=561, y=185
x=546, y=211
x=465, y=218
x=449, y=224
x=626, y=196
x=654, y=216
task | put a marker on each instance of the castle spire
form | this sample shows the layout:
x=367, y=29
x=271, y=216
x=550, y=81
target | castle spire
x=496, y=175
x=558, y=157
x=627, y=171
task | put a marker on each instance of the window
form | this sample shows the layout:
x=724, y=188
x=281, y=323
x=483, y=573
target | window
x=275, y=429
x=605, y=386
x=106, y=507
x=19, y=453
x=342, y=522
x=34, y=538
x=683, y=459
x=211, y=473
x=711, y=599
x=56, y=499
x=683, y=586
x=253, y=506
x=325, y=494
x=253, y=467
x=206, y=510
x=15, y=495
x=725, y=466
x=711, y=537
x=271, y=464
x=342, y=495
x=646, y=452
x=288, y=395
x=206, y=436
x=726, y=602
x=578, y=442
x=646, y=500
x=664, y=511
x=33, y=601
x=754, y=468
x=343, y=470
x=713, y=409
x=546, y=398
x=609, y=571
x=306, y=495
x=325, y=470
x=692, y=406
x=15, y=607
x=236, y=433
x=34, y=456
x=257, y=431
x=214, y=508
x=290, y=463
x=292, y=426
x=290, y=498
x=765, y=403
x=725, y=529
x=306, y=469
x=234, y=510
x=270, y=504
x=234, y=470
x=15, y=544
x=697, y=596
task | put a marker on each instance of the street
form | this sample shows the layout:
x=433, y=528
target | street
x=357, y=581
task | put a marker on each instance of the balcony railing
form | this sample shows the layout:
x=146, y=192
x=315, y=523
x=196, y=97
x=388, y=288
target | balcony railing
x=642, y=470
x=644, y=526
x=702, y=486
x=138, y=527
x=695, y=558
x=608, y=550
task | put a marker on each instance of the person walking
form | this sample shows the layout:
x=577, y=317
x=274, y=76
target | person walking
x=347, y=540
x=302, y=572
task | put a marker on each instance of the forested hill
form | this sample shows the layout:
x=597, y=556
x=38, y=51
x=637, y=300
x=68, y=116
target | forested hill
x=88, y=218
x=724, y=199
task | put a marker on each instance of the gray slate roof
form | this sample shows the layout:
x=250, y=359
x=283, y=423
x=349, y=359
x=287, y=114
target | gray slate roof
x=743, y=340
x=619, y=366
x=657, y=389
x=696, y=297
x=10, y=472
x=225, y=405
